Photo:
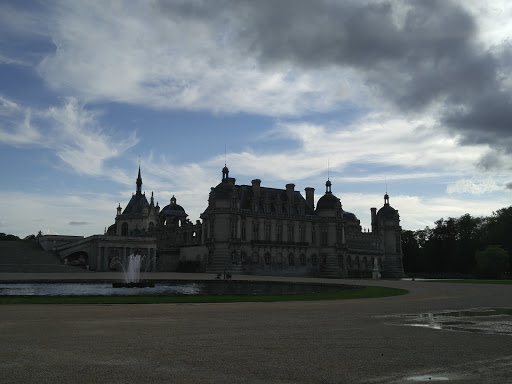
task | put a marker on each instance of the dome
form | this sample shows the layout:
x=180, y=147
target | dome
x=348, y=216
x=173, y=209
x=328, y=201
x=386, y=212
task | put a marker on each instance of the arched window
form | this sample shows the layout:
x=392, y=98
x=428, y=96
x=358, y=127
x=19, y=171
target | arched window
x=268, y=258
x=124, y=229
x=302, y=259
x=151, y=226
x=243, y=257
x=291, y=259
x=314, y=260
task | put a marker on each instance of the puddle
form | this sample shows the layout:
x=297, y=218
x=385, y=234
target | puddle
x=427, y=378
x=480, y=320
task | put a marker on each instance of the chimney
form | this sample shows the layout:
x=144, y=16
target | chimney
x=374, y=219
x=310, y=196
x=256, y=188
x=289, y=192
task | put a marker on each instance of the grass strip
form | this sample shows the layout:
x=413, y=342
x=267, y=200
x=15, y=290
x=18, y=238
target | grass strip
x=365, y=293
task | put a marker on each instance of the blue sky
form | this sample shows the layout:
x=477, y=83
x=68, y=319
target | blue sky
x=412, y=97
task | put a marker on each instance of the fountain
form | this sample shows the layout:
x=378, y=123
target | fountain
x=132, y=273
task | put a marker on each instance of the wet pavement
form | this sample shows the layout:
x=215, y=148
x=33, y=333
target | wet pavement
x=454, y=333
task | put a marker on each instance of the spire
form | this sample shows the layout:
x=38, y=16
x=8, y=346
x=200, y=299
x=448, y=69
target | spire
x=386, y=199
x=139, y=183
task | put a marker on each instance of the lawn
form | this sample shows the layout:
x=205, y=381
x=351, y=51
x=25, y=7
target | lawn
x=365, y=293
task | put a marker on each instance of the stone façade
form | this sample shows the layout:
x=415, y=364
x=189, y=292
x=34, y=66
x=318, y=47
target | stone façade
x=258, y=230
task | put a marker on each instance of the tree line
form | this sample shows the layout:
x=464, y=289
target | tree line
x=461, y=247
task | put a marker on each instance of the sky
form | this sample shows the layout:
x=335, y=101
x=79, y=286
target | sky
x=409, y=97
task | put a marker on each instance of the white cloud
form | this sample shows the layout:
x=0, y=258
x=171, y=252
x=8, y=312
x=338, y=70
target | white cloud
x=476, y=187
x=72, y=131
x=133, y=54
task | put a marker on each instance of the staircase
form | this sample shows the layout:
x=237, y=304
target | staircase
x=331, y=269
x=393, y=267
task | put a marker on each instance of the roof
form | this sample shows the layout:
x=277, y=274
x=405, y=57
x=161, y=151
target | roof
x=387, y=212
x=136, y=205
x=328, y=201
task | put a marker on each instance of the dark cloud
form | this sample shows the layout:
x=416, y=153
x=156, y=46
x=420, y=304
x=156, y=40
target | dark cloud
x=508, y=186
x=412, y=54
x=78, y=223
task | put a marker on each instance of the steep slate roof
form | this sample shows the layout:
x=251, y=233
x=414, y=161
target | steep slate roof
x=136, y=205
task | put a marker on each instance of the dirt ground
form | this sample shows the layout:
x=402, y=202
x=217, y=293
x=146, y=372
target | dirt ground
x=352, y=341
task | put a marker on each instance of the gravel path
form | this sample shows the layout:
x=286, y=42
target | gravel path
x=352, y=341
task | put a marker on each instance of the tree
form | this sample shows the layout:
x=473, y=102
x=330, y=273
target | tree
x=469, y=237
x=4, y=237
x=411, y=252
x=492, y=262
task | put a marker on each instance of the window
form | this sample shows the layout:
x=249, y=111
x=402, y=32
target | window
x=233, y=229
x=302, y=259
x=314, y=260
x=279, y=232
x=302, y=233
x=243, y=230
x=267, y=232
x=124, y=229
x=290, y=232
x=151, y=226
x=267, y=258
x=233, y=202
x=243, y=257
x=255, y=232
x=313, y=234
x=255, y=206
x=291, y=259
